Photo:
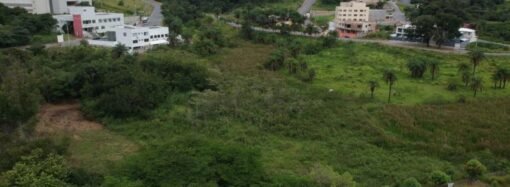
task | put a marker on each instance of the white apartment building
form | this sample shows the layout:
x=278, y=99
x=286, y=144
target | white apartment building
x=134, y=38
x=44, y=6
x=352, y=19
x=84, y=18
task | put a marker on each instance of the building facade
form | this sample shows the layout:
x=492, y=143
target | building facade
x=44, y=6
x=134, y=38
x=90, y=21
x=352, y=19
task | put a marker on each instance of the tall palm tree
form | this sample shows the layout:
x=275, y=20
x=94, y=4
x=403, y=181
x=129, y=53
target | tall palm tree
x=373, y=84
x=390, y=78
x=476, y=85
x=434, y=67
x=476, y=57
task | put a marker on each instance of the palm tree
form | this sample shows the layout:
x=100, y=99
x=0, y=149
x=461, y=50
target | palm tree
x=373, y=84
x=466, y=77
x=463, y=67
x=476, y=85
x=496, y=78
x=390, y=78
x=417, y=68
x=476, y=57
x=434, y=67
x=500, y=77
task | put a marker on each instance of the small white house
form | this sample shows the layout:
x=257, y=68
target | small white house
x=134, y=38
x=468, y=35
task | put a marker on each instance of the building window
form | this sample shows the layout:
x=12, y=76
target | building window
x=102, y=27
x=146, y=40
x=166, y=35
x=125, y=34
x=135, y=41
x=100, y=20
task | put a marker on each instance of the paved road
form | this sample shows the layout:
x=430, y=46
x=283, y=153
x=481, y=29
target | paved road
x=406, y=2
x=495, y=43
x=398, y=15
x=394, y=43
x=306, y=6
x=156, y=18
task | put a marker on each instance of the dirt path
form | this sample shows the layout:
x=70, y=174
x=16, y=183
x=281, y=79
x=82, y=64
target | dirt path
x=63, y=118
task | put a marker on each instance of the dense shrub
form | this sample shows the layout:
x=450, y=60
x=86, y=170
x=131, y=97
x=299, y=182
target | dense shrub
x=195, y=161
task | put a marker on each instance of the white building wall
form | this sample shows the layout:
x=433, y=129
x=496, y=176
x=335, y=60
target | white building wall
x=92, y=21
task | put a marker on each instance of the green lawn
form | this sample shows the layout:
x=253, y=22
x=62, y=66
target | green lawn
x=348, y=68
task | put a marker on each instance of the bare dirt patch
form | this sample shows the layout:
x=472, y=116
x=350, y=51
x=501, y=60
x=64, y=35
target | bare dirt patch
x=91, y=147
x=64, y=118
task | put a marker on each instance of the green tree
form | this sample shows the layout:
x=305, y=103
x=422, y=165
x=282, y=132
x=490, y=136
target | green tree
x=500, y=77
x=474, y=169
x=476, y=85
x=463, y=67
x=424, y=27
x=434, y=67
x=38, y=169
x=247, y=30
x=411, y=182
x=390, y=78
x=476, y=57
x=119, y=50
x=205, y=47
x=192, y=160
x=19, y=96
x=310, y=29
x=276, y=60
x=466, y=78
x=324, y=175
x=439, y=178
x=373, y=84
x=417, y=67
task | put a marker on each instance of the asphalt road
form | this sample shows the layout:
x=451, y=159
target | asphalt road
x=397, y=14
x=156, y=18
x=306, y=6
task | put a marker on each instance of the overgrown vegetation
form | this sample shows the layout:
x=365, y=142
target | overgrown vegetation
x=18, y=27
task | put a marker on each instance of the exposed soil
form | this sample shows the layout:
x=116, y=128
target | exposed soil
x=63, y=118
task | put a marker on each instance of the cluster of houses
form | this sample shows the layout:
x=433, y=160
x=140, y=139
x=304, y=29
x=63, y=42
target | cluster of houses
x=355, y=19
x=98, y=28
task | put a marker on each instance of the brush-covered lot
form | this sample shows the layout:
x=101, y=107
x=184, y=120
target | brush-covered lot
x=349, y=68
x=296, y=130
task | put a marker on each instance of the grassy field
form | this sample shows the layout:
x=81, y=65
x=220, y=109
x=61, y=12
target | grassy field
x=125, y=6
x=347, y=69
x=378, y=144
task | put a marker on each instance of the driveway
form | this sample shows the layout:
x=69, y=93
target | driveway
x=306, y=6
x=156, y=18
